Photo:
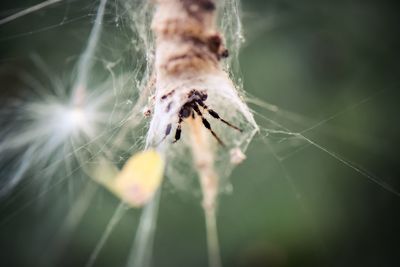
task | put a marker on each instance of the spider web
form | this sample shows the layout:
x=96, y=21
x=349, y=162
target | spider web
x=38, y=61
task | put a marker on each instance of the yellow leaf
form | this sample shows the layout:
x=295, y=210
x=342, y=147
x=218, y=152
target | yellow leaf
x=140, y=178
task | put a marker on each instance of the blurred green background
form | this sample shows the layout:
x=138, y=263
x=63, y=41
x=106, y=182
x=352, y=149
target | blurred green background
x=332, y=66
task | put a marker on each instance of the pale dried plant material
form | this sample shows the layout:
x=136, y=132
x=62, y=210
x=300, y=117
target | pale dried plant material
x=188, y=68
x=199, y=121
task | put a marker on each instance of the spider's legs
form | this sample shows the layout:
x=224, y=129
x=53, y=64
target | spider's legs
x=178, y=131
x=179, y=128
x=216, y=116
x=191, y=109
x=167, y=132
x=207, y=124
x=196, y=108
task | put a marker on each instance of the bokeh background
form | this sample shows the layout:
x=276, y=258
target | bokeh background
x=331, y=66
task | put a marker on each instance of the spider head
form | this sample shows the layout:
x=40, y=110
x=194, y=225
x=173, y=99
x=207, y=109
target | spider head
x=196, y=95
x=185, y=111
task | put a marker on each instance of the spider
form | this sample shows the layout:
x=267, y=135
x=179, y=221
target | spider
x=196, y=99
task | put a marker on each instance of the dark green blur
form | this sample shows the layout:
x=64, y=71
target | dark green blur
x=332, y=66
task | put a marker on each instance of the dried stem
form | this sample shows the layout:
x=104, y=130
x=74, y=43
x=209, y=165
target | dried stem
x=188, y=47
x=204, y=163
x=214, y=257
